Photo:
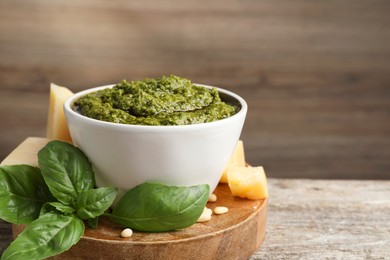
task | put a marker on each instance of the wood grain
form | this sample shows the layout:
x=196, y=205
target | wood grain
x=327, y=219
x=315, y=74
x=318, y=219
x=234, y=235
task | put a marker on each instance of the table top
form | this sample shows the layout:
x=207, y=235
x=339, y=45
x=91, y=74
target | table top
x=317, y=219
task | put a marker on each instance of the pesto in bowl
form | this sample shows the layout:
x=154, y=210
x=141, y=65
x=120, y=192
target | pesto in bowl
x=126, y=155
x=169, y=100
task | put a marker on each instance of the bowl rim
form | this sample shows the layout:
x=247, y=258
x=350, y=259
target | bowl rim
x=68, y=104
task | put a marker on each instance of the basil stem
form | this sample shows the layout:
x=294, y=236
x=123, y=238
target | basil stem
x=93, y=222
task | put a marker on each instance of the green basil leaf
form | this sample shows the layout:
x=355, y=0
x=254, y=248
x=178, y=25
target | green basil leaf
x=66, y=170
x=155, y=207
x=93, y=203
x=22, y=193
x=47, y=208
x=62, y=208
x=57, y=208
x=49, y=235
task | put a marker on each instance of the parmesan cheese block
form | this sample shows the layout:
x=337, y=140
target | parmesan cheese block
x=237, y=159
x=248, y=182
x=26, y=152
x=57, y=127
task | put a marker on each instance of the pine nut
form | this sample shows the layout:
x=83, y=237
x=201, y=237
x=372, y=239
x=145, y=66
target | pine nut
x=212, y=198
x=127, y=232
x=204, y=217
x=221, y=210
x=207, y=211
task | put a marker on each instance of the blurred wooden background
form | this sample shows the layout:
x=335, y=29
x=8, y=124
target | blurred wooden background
x=316, y=74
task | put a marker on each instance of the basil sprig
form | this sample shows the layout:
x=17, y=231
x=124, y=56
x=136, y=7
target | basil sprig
x=53, y=199
x=155, y=207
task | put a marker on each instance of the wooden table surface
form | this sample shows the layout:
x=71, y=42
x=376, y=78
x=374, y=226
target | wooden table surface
x=318, y=219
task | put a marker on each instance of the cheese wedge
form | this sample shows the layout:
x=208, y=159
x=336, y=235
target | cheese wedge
x=248, y=182
x=237, y=159
x=57, y=127
x=26, y=152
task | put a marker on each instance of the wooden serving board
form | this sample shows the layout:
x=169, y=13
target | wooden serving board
x=234, y=235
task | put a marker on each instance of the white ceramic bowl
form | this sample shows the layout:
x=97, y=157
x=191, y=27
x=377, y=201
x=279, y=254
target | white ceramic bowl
x=124, y=156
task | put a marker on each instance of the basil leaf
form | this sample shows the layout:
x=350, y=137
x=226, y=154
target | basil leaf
x=65, y=209
x=56, y=207
x=47, y=208
x=49, y=235
x=155, y=207
x=66, y=170
x=22, y=193
x=93, y=203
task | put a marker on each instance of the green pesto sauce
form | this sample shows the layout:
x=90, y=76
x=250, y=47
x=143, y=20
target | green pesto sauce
x=164, y=101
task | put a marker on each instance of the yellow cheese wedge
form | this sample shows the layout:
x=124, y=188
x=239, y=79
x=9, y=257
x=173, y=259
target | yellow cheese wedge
x=57, y=127
x=26, y=152
x=237, y=159
x=248, y=182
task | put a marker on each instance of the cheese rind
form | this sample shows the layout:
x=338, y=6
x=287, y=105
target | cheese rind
x=248, y=182
x=237, y=159
x=57, y=128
